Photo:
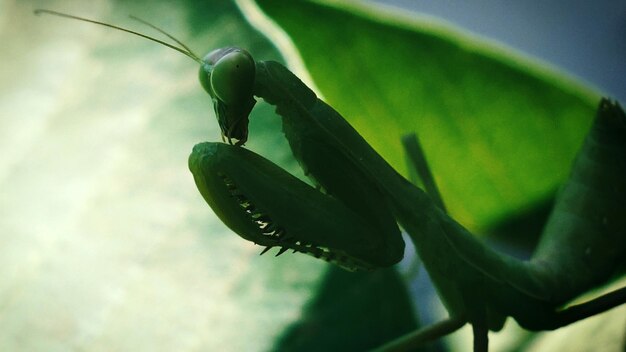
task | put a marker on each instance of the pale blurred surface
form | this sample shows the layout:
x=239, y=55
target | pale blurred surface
x=105, y=243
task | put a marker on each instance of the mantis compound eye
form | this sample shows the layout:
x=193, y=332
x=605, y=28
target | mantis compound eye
x=232, y=75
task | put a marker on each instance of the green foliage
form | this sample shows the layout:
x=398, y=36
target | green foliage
x=499, y=132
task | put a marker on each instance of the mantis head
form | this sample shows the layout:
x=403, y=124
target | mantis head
x=228, y=76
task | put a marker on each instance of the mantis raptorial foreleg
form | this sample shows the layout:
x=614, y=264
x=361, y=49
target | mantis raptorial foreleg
x=355, y=224
x=415, y=339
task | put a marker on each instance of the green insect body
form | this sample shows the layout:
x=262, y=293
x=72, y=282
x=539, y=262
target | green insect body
x=310, y=123
x=476, y=283
x=354, y=224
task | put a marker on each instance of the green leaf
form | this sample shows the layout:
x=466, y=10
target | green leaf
x=499, y=131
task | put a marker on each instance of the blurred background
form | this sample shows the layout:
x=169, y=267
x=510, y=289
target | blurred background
x=105, y=243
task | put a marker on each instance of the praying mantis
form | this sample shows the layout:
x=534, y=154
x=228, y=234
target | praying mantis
x=351, y=217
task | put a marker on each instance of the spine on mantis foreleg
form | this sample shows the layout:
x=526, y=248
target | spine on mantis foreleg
x=584, y=242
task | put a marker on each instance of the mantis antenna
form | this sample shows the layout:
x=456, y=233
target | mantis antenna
x=194, y=56
x=185, y=50
x=227, y=74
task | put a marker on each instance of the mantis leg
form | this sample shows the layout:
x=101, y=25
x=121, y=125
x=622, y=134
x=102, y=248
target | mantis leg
x=585, y=310
x=418, y=337
x=415, y=153
x=481, y=338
